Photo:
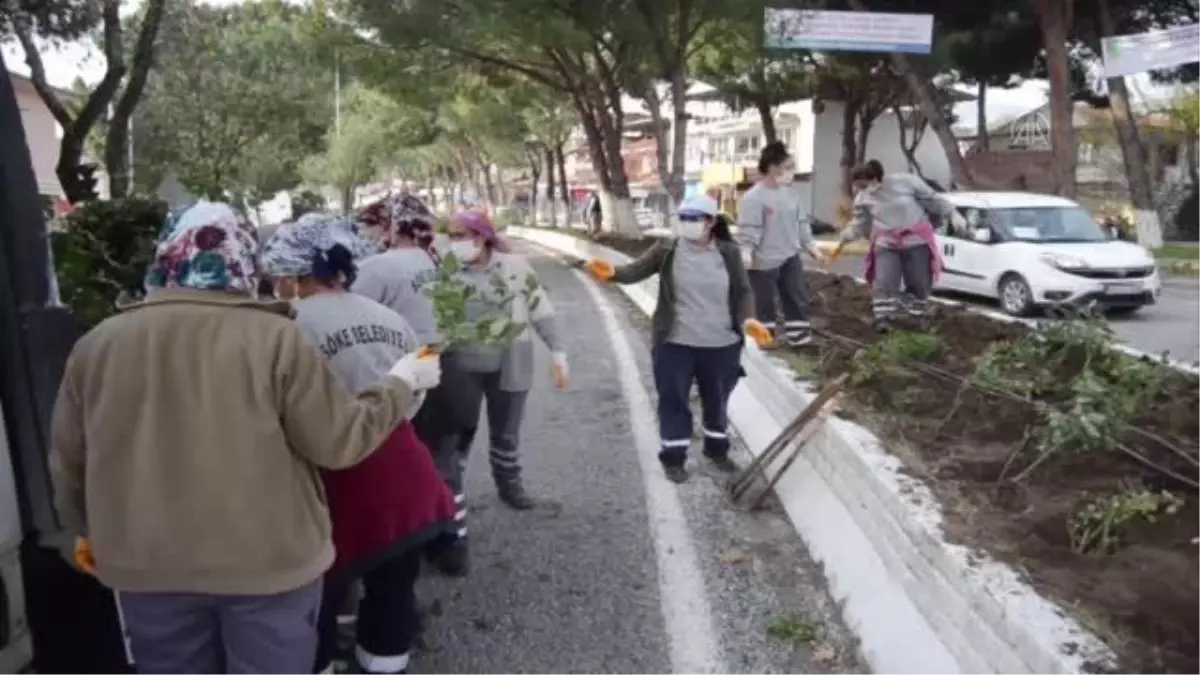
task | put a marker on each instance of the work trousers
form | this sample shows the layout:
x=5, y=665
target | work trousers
x=715, y=370
x=786, y=285
x=216, y=633
x=388, y=621
x=903, y=281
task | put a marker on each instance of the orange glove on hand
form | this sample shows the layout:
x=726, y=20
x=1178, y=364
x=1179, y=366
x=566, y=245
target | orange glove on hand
x=601, y=269
x=759, y=333
x=83, y=556
x=834, y=254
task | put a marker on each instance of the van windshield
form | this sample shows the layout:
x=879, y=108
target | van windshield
x=1045, y=224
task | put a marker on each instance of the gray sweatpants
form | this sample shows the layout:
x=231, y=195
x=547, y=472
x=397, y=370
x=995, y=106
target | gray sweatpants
x=897, y=266
x=505, y=413
x=207, y=633
x=788, y=285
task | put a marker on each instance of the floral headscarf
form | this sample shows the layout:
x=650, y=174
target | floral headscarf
x=398, y=214
x=208, y=246
x=293, y=249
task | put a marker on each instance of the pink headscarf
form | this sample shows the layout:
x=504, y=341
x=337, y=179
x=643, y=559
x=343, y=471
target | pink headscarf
x=478, y=222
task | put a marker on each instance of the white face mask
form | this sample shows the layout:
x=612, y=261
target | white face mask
x=691, y=229
x=786, y=178
x=465, y=250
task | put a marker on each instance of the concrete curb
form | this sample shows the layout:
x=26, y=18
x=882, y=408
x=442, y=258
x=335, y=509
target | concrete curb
x=917, y=603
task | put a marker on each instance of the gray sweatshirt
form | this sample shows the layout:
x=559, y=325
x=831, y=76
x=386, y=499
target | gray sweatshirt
x=900, y=201
x=397, y=280
x=771, y=226
x=702, y=318
x=361, y=338
x=515, y=360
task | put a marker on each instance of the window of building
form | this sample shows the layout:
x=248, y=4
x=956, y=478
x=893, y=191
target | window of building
x=718, y=149
x=748, y=144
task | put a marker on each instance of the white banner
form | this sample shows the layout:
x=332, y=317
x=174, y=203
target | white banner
x=828, y=30
x=1133, y=54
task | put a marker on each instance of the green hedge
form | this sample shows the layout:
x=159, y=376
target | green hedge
x=102, y=252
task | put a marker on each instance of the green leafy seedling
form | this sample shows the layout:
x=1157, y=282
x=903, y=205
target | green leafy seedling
x=792, y=630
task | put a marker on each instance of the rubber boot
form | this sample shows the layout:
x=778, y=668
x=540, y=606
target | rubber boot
x=512, y=492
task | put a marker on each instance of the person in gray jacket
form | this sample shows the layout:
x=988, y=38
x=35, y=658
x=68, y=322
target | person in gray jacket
x=501, y=374
x=772, y=232
x=893, y=211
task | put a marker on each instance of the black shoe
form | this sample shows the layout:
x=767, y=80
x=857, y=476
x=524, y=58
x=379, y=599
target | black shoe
x=882, y=326
x=676, y=473
x=512, y=492
x=723, y=463
x=449, y=556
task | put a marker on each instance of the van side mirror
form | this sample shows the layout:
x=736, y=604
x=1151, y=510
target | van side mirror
x=982, y=235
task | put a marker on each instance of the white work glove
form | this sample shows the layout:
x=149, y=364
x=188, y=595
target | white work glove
x=747, y=257
x=419, y=373
x=958, y=223
x=559, y=371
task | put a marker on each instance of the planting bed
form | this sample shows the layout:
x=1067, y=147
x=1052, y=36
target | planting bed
x=983, y=454
x=1070, y=461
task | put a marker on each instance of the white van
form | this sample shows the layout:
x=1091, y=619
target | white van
x=1031, y=251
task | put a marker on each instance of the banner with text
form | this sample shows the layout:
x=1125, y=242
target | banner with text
x=1133, y=54
x=828, y=30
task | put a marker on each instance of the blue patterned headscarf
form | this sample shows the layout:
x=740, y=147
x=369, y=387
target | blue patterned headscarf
x=207, y=246
x=295, y=247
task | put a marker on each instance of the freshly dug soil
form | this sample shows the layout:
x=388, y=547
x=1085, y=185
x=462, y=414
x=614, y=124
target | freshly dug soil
x=968, y=446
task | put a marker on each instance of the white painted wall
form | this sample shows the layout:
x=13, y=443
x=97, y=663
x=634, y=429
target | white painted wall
x=883, y=144
x=41, y=135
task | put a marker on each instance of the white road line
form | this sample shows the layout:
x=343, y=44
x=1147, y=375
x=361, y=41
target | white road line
x=694, y=644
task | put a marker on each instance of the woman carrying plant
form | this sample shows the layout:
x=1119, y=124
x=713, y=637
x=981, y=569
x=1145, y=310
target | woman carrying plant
x=503, y=296
x=399, y=278
x=894, y=211
x=705, y=304
x=385, y=509
x=185, y=448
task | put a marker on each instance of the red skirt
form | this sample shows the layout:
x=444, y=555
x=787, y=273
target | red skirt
x=390, y=502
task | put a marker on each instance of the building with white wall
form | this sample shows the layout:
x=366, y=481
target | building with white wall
x=43, y=136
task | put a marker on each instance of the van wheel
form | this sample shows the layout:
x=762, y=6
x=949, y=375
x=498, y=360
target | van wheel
x=1015, y=297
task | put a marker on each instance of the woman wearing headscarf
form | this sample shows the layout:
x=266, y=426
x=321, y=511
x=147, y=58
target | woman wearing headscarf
x=386, y=508
x=501, y=374
x=705, y=305
x=186, y=442
x=399, y=278
x=893, y=210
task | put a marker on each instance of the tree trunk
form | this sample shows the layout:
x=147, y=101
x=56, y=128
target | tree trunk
x=560, y=159
x=347, y=198
x=76, y=128
x=662, y=152
x=535, y=172
x=863, y=134
x=550, y=181
x=678, y=136
x=849, y=147
x=1055, y=20
x=1190, y=153
x=767, y=117
x=984, y=141
x=922, y=90
x=118, y=160
x=1149, y=226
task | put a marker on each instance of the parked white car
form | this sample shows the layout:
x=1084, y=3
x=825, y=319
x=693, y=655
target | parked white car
x=1031, y=251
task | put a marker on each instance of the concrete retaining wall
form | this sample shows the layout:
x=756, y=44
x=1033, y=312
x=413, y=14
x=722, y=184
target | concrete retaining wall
x=917, y=603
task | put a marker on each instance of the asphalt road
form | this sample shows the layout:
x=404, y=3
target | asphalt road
x=1172, y=325
x=620, y=570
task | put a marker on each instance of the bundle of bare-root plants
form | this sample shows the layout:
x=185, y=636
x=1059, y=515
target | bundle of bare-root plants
x=1048, y=448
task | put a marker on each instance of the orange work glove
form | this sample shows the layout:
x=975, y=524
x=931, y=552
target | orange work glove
x=834, y=254
x=759, y=333
x=83, y=556
x=601, y=269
